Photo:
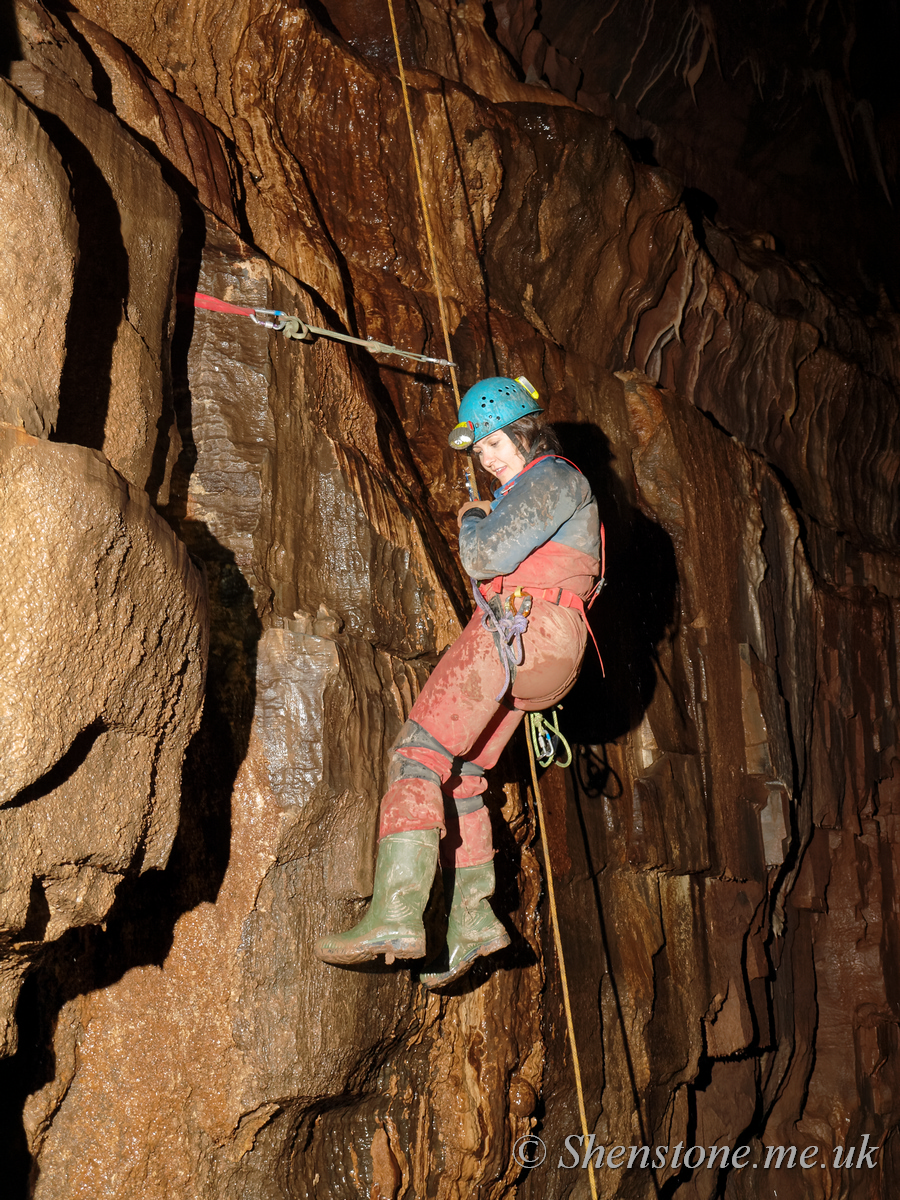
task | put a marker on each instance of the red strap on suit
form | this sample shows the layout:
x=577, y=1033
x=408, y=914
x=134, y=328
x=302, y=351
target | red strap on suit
x=561, y=596
x=566, y=599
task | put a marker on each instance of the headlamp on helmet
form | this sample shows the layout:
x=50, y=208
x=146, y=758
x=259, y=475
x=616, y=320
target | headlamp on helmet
x=462, y=435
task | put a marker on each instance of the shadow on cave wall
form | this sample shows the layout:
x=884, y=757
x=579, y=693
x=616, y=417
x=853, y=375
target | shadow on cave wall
x=139, y=928
x=99, y=293
x=632, y=615
x=10, y=42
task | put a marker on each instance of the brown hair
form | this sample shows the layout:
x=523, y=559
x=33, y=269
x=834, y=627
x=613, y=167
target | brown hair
x=533, y=436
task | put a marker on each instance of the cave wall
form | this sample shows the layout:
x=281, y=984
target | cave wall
x=781, y=119
x=724, y=843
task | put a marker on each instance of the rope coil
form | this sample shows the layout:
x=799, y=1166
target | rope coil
x=547, y=738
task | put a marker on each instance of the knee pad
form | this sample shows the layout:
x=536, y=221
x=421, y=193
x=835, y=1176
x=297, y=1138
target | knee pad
x=463, y=806
x=417, y=754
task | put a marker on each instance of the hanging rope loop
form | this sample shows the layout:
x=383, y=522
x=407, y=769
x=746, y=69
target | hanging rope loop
x=547, y=738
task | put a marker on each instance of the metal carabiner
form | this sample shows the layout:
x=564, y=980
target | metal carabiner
x=526, y=600
x=274, y=324
x=282, y=322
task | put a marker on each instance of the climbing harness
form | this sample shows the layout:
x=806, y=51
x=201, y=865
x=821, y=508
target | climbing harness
x=482, y=602
x=559, y=596
x=547, y=737
x=297, y=329
x=506, y=623
x=534, y=462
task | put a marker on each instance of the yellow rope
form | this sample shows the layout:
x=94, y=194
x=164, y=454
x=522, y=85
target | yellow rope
x=551, y=893
x=552, y=737
x=537, y=792
x=428, y=237
x=470, y=471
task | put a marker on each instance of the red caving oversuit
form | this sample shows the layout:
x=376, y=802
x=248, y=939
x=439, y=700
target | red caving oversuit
x=544, y=534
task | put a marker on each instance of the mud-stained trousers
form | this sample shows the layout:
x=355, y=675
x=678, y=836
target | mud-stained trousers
x=457, y=729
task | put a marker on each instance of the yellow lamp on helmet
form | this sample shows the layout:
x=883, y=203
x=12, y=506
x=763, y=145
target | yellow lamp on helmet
x=462, y=435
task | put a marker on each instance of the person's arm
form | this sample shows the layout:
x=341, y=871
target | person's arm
x=483, y=506
x=537, y=505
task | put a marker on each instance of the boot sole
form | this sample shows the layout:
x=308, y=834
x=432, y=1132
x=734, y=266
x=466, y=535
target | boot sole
x=464, y=965
x=391, y=948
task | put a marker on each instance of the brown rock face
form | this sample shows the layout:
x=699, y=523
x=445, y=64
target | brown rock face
x=101, y=677
x=723, y=845
x=41, y=227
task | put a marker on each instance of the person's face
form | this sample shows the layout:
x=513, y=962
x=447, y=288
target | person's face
x=500, y=455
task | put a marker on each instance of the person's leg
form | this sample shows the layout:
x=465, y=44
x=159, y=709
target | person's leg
x=467, y=862
x=392, y=925
x=457, y=729
x=412, y=810
x=553, y=653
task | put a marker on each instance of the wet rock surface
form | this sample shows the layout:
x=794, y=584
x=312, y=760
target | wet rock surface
x=198, y=510
x=104, y=647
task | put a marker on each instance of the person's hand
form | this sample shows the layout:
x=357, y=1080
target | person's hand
x=484, y=505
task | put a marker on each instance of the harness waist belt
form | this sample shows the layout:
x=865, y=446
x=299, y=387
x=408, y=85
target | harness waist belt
x=559, y=596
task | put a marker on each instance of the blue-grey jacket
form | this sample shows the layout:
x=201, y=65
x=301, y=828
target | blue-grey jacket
x=550, y=500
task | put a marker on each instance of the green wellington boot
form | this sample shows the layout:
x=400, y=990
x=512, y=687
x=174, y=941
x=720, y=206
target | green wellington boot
x=392, y=926
x=472, y=928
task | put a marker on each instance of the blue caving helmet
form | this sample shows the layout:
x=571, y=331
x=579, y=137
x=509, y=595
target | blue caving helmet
x=490, y=405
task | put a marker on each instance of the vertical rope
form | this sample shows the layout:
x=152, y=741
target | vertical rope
x=415, y=155
x=551, y=893
x=442, y=309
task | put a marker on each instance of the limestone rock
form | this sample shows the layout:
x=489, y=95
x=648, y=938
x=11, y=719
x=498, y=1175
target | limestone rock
x=39, y=228
x=101, y=680
x=115, y=387
x=724, y=846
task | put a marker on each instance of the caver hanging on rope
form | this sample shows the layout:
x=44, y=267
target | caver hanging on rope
x=540, y=535
x=436, y=785
x=535, y=548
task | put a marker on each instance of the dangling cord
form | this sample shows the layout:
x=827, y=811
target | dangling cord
x=551, y=893
x=470, y=470
x=488, y=615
